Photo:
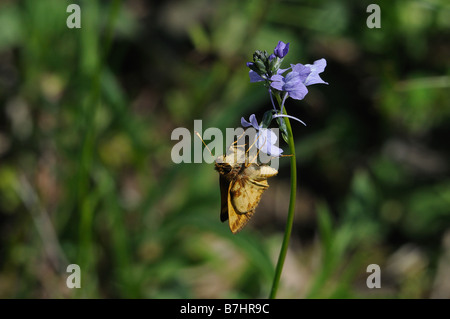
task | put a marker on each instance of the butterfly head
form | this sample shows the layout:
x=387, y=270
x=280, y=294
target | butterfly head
x=222, y=166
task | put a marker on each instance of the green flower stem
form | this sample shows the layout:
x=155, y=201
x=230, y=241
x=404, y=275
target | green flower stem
x=290, y=217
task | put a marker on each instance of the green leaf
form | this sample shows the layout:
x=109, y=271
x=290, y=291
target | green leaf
x=283, y=128
x=267, y=118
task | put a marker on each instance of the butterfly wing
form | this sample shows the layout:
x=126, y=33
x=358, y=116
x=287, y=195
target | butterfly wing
x=237, y=220
x=245, y=194
x=224, y=188
x=248, y=188
x=228, y=168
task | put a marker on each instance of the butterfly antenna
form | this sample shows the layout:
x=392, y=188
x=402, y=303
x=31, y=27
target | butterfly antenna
x=256, y=156
x=204, y=143
x=235, y=142
x=253, y=143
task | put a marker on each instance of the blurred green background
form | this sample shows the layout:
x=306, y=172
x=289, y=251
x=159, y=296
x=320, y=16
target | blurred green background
x=86, y=175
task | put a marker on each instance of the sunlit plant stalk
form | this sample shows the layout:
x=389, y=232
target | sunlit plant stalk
x=290, y=217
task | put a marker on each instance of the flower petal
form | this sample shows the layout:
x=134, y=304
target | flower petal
x=253, y=122
x=244, y=123
x=254, y=77
x=299, y=92
x=266, y=140
x=320, y=65
x=281, y=49
x=292, y=84
x=272, y=150
x=281, y=71
x=277, y=82
x=292, y=80
x=316, y=68
x=302, y=70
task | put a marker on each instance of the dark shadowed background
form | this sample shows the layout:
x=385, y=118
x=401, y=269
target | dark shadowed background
x=86, y=175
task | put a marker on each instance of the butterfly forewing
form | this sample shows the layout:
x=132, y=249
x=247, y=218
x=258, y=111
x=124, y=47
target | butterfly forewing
x=237, y=220
x=245, y=194
x=224, y=186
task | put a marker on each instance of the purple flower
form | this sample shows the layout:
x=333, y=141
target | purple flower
x=301, y=76
x=253, y=122
x=292, y=84
x=265, y=141
x=281, y=49
x=302, y=70
x=254, y=77
x=265, y=138
x=312, y=76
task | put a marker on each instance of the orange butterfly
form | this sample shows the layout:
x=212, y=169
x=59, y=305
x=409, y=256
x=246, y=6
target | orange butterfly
x=242, y=184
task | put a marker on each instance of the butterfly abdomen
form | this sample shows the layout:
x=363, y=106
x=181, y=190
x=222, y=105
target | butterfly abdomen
x=267, y=171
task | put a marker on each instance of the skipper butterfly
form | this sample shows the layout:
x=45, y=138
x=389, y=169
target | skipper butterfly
x=242, y=183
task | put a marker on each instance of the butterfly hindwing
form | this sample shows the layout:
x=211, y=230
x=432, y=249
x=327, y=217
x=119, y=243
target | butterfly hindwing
x=236, y=220
x=246, y=193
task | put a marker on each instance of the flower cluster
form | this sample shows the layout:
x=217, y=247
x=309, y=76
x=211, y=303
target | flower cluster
x=266, y=68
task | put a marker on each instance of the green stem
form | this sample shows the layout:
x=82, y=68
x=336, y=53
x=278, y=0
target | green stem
x=290, y=217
